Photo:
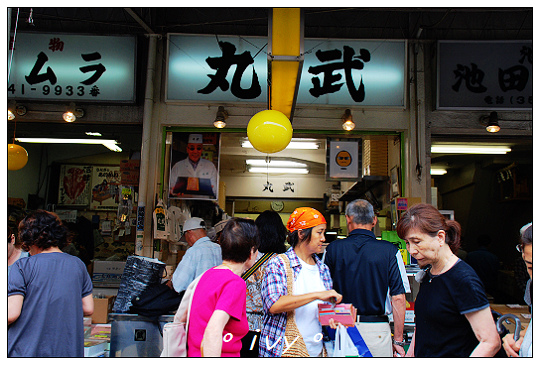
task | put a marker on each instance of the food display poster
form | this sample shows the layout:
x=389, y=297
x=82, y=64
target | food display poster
x=105, y=188
x=74, y=185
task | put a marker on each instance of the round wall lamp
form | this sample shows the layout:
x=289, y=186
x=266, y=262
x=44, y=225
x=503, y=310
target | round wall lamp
x=347, y=121
x=72, y=114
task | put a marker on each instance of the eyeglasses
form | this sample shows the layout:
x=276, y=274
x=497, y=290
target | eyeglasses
x=519, y=247
x=193, y=148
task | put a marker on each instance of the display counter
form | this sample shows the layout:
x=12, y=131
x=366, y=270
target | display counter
x=133, y=335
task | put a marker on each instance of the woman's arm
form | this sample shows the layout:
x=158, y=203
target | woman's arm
x=483, y=326
x=15, y=303
x=213, y=334
x=286, y=303
x=88, y=305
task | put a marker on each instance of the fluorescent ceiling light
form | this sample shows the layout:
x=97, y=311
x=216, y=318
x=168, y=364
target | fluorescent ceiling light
x=97, y=134
x=109, y=143
x=295, y=144
x=277, y=170
x=438, y=171
x=472, y=149
x=275, y=163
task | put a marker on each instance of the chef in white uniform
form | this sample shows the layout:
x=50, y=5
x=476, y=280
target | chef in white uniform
x=194, y=165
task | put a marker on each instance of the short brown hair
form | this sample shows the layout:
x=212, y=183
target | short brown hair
x=238, y=239
x=427, y=219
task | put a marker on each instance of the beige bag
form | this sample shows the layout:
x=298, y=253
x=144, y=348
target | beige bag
x=292, y=334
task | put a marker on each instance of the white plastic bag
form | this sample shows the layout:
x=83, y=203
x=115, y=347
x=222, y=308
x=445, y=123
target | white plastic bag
x=343, y=345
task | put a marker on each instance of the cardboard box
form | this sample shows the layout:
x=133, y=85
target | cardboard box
x=102, y=308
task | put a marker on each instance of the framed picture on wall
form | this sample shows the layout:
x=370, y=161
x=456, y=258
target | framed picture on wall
x=394, y=182
x=343, y=159
x=194, y=166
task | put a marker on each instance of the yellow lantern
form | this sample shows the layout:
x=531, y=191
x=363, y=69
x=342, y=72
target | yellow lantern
x=17, y=157
x=269, y=131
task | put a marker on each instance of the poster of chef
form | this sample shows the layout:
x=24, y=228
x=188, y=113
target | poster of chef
x=105, y=188
x=194, y=166
x=74, y=185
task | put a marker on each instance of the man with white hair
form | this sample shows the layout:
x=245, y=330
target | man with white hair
x=201, y=255
x=193, y=167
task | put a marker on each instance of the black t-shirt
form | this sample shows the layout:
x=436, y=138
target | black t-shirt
x=442, y=330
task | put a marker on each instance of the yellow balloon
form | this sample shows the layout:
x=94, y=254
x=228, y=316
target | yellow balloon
x=269, y=131
x=17, y=157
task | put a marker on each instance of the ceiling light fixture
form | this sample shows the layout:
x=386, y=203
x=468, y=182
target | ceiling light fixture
x=491, y=122
x=277, y=170
x=471, y=149
x=295, y=144
x=438, y=172
x=221, y=115
x=275, y=163
x=347, y=120
x=96, y=134
x=109, y=143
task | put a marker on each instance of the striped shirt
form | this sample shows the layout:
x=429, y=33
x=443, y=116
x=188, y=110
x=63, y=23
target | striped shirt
x=274, y=286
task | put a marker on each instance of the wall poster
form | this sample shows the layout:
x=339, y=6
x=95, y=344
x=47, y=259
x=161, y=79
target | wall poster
x=194, y=166
x=105, y=188
x=74, y=185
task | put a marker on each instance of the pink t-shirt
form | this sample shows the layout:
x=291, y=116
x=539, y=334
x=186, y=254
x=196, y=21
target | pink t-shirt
x=224, y=290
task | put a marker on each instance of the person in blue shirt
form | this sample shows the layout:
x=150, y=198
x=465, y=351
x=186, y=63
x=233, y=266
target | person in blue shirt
x=201, y=255
x=523, y=346
x=49, y=293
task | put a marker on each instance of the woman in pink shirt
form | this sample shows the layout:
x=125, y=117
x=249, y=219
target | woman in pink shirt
x=218, y=320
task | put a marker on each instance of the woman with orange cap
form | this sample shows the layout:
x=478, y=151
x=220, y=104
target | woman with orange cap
x=294, y=284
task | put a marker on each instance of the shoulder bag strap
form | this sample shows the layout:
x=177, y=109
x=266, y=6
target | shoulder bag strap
x=256, y=266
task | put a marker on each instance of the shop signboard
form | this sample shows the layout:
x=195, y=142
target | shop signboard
x=72, y=67
x=194, y=166
x=485, y=75
x=204, y=68
x=105, y=188
x=74, y=185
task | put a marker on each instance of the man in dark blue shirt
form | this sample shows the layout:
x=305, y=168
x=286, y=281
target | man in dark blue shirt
x=364, y=270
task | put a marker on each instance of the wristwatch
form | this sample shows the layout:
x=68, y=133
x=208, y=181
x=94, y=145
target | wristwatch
x=402, y=343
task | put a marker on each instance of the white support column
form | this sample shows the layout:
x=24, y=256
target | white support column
x=145, y=203
x=417, y=160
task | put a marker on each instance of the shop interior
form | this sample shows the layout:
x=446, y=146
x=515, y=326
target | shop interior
x=481, y=190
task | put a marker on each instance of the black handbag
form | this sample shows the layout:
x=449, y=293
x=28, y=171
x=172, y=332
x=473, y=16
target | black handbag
x=139, y=273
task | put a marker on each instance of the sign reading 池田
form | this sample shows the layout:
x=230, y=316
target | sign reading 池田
x=73, y=67
x=337, y=72
x=487, y=75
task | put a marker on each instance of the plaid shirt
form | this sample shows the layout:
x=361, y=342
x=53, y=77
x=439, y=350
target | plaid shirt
x=274, y=286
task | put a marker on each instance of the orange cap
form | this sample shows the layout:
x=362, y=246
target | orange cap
x=303, y=218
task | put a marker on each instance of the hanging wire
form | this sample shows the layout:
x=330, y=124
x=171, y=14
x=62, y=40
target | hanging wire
x=13, y=47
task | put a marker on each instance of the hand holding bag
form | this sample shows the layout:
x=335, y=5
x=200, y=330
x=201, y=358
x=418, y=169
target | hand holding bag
x=175, y=333
x=343, y=345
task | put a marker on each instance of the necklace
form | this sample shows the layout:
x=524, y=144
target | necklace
x=439, y=272
x=227, y=266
